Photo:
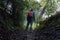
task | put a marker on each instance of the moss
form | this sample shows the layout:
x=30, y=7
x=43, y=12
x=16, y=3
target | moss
x=49, y=22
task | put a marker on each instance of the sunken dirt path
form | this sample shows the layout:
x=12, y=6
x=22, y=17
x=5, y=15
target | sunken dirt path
x=49, y=33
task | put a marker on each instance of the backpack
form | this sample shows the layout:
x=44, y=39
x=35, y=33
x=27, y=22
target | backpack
x=30, y=14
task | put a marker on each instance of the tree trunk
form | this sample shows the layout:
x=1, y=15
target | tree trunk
x=42, y=12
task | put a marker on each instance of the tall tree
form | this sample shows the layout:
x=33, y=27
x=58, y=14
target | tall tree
x=49, y=6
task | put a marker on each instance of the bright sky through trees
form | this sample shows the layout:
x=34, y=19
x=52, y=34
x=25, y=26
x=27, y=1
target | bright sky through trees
x=38, y=0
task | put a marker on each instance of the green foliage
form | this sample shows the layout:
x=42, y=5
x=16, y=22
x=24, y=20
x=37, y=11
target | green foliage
x=51, y=6
x=22, y=7
x=41, y=25
x=49, y=22
x=58, y=0
x=33, y=4
x=2, y=3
